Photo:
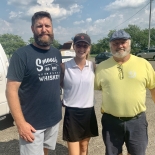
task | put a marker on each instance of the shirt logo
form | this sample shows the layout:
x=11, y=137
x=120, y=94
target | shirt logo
x=132, y=74
x=47, y=69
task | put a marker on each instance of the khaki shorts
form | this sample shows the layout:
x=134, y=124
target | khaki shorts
x=45, y=138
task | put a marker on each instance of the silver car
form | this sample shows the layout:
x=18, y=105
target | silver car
x=147, y=54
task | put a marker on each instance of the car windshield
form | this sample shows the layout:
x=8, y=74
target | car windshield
x=108, y=54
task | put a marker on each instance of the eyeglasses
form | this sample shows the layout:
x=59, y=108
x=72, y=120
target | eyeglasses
x=120, y=70
x=82, y=45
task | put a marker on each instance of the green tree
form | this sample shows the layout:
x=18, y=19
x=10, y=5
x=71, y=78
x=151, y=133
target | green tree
x=31, y=40
x=139, y=39
x=101, y=46
x=110, y=33
x=94, y=49
x=11, y=43
x=152, y=37
x=56, y=44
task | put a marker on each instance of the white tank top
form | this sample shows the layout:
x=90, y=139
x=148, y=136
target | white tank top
x=78, y=85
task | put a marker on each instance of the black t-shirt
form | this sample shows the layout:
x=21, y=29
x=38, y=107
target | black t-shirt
x=39, y=93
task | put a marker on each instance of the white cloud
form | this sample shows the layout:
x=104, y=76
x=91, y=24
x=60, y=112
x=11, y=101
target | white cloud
x=88, y=20
x=45, y=5
x=5, y=27
x=119, y=4
x=101, y=27
x=54, y=9
x=78, y=22
x=15, y=14
x=119, y=11
x=20, y=28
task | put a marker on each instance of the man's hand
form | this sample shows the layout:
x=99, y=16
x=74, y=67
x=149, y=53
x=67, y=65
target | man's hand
x=25, y=131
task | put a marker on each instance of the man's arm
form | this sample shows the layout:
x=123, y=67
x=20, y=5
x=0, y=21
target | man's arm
x=25, y=129
x=153, y=94
x=97, y=85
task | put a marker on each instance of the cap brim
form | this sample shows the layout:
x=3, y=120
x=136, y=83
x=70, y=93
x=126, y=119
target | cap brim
x=82, y=41
x=119, y=38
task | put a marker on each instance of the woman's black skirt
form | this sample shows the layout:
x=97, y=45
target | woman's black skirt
x=79, y=123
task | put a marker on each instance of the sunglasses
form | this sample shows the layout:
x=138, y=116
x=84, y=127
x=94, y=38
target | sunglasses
x=120, y=70
x=82, y=45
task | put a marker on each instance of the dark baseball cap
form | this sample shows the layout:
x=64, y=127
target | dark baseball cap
x=82, y=37
x=120, y=34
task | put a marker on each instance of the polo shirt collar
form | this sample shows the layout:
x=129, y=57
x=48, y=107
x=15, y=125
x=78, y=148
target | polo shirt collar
x=75, y=65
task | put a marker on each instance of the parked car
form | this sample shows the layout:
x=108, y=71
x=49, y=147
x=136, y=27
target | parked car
x=147, y=53
x=102, y=56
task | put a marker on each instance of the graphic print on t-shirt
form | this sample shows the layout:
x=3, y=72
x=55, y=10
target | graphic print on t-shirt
x=131, y=74
x=47, y=69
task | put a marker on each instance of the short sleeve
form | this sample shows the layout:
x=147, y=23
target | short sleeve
x=151, y=77
x=16, y=68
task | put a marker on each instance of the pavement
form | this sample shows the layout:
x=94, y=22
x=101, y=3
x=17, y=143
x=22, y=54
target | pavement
x=9, y=136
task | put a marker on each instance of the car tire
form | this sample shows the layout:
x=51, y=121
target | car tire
x=154, y=58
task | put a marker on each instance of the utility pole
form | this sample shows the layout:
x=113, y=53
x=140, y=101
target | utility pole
x=149, y=23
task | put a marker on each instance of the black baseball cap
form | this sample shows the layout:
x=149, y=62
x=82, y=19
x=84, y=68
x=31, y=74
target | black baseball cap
x=120, y=34
x=82, y=37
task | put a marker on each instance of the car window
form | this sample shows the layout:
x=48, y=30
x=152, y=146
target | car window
x=108, y=54
x=151, y=50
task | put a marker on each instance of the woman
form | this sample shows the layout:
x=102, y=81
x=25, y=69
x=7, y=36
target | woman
x=80, y=122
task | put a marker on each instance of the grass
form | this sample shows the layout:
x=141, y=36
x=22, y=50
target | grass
x=92, y=55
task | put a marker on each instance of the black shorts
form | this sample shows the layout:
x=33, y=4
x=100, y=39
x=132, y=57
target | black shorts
x=117, y=131
x=79, y=123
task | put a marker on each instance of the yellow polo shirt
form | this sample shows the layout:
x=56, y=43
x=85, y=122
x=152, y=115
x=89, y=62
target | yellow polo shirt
x=124, y=88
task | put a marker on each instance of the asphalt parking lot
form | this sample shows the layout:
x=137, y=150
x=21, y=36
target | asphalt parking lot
x=9, y=135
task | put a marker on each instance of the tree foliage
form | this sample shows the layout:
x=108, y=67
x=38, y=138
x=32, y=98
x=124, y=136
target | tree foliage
x=56, y=44
x=139, y=40
x=11, y=43
x=31, y=40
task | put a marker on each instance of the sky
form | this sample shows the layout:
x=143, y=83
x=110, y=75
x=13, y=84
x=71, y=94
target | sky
x=94, y=17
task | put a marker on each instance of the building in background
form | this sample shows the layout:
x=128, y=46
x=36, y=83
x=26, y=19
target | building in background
x=67, y=51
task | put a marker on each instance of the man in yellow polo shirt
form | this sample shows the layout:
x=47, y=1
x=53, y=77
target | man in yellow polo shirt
x=123, y=80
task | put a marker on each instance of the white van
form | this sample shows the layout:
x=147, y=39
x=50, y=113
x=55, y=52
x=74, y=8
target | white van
x=4, y=108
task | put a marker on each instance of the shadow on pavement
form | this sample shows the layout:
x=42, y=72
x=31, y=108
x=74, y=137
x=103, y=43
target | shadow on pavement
x=9, y=148
x=6, y=122
x=12, y=148
x=60, y=150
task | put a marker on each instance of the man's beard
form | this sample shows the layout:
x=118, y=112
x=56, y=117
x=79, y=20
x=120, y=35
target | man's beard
x=43, y=42
x=118, y=54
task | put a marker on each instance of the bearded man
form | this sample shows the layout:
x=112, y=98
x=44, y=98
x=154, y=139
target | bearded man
x=123, y=79
x=33, y=89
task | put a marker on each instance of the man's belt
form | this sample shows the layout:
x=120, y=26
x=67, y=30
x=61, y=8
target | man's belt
x=126, y=118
